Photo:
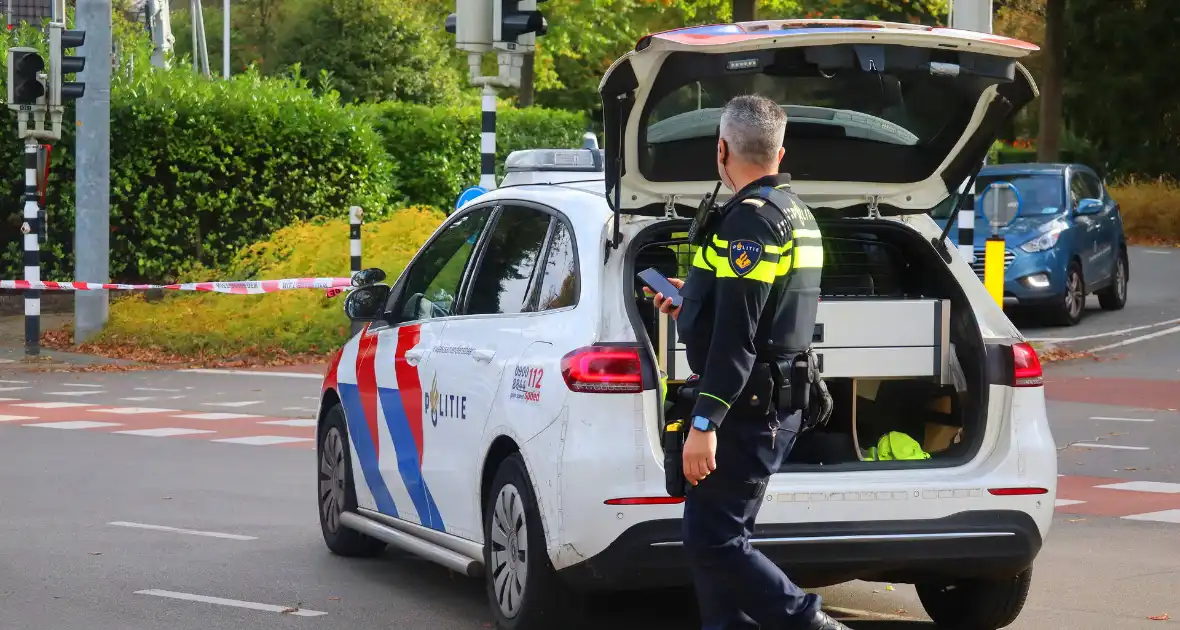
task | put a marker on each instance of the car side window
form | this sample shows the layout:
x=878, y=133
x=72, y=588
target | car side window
x=505, y=276
x=432, y=283
x=1092, y=187
x=561, y=284
x=1077, y=189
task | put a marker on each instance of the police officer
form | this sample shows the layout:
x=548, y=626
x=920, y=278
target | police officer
x=747, y=319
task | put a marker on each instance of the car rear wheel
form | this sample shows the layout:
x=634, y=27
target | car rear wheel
x=1072, y=302
x=523, y=589
x=979, y=604
x=337, y=494
x=1114, y=297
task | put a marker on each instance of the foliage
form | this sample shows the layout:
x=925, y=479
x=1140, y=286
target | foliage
x=298, y=321
x=200, y=168
x=1149, y=209
x=1121, y=92
x=433, y=149
x=929, y=12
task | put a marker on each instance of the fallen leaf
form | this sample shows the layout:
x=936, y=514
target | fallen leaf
x=1163, y=617
x=901, y=611
x=1130, y=469
x=290, y=609
x=889, y=587
x=876, y=592
x=334, y=598
x=96, y=553
x=1074, y=520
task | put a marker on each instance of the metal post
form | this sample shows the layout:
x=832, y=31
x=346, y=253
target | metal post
x=993, y=268
x=92, y=220
x=225, y=42
x=972, y=15
x=355, y=215
x=487, y=140
x=32, y=251
x=966, y=220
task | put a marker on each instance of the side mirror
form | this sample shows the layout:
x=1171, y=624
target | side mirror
x=1089, y=206
x=366, y=303
x=368, y=276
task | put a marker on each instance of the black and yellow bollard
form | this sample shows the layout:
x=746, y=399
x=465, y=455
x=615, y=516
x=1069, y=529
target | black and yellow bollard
x=993, y=268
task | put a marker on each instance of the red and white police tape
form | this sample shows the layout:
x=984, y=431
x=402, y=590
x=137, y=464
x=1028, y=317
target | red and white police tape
x=333, y=286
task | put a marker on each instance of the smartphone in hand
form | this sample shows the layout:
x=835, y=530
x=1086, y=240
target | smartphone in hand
x=658, y=283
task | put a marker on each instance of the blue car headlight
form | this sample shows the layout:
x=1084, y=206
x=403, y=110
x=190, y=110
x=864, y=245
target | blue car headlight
x=1046, y=239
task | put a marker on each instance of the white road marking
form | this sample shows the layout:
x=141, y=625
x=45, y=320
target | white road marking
x=140, y=398
x=216, y=416
x=81, y=385
x=1144, y=486
x=12, y=389
x=1166, y=516
x=76, y=424
x=300, y=409
x=1126, y=342
x=1113, y=333
x=133, y=410
x=301, y=612
x=8, y=399
x=263, y=440
x=1065, y=502
x=242, y=403
x=181, y=530
x=15, y=382
x=1156, y=251
x=7, y=360
x=294, y=422
x=851, y=614
x=155, y=389
x=75, y=393
x=15, y=418
x=53, y=405
x=1122, y=419
x=1128, y=448
x=251, y=373
x=164, y=432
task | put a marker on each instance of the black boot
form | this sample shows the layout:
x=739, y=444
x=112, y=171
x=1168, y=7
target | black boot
x=821, y=621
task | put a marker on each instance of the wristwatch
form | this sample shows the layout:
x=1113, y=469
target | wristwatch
x=701, y=423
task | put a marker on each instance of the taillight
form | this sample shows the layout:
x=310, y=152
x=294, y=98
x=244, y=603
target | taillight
x=1028, y=367
x=603, y=370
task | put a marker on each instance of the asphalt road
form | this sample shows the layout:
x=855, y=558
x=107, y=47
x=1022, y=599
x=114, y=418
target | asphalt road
x=141, y=450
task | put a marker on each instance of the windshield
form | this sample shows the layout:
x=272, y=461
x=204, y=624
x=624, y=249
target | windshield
x=1039, y=194
x=843, y=124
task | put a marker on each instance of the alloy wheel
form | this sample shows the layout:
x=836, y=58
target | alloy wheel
x=332, y=479
x=1075, y=299
x=509, y=550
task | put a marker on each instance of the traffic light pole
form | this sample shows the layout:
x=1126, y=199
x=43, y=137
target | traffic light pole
x=32, y=250
x=487, y=139
x=92, y=217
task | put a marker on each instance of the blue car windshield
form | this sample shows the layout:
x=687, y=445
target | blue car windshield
x=1039, y=194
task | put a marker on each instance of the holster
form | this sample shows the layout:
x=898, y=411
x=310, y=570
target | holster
x=799, y=387
x=674, y=436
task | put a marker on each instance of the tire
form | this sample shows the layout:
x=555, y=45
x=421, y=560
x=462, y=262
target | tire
x=988, y=604
x=1072, y=302
x=523, y=590
x=1114, y=297
x=337, y=494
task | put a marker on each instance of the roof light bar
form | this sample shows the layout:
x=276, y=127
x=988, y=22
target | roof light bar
x=565, y=160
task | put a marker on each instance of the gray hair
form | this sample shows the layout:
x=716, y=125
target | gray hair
x=753, y=127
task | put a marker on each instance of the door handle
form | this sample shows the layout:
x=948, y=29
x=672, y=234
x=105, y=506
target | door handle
x=414, y=356
x=483, y=356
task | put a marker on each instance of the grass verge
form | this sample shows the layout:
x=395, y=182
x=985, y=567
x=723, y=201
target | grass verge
x=1150, y=209
x=282, y=328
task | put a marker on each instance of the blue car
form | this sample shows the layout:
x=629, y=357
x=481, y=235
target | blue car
x=1066, y=244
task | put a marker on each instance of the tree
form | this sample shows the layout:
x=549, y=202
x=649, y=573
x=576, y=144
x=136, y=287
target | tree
x=1049, y=137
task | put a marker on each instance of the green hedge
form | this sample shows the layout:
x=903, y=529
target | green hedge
x=435, y=151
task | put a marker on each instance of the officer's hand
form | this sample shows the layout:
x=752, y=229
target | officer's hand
x=665, y=304
x=700, y=455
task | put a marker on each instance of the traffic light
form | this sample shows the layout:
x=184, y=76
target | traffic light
x=61, y=39
x=516, y=24
x=471, y=24
x=26, y=84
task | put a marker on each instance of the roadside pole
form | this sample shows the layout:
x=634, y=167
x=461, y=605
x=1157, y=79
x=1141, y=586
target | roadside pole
x=92, y=219
x=32, y=231
x=487, y=139
x=354, y=250
x=970, y=15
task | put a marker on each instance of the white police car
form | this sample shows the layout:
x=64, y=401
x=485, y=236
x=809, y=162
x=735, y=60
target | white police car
x=501, y=413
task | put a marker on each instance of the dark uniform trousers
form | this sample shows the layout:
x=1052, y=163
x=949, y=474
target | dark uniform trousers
x=752, y=291
x=738, y=587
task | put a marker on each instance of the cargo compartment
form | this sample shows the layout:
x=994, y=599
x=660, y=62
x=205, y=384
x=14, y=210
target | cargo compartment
x=898, y=344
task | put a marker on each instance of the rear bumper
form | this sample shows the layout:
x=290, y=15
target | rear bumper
x=968, y=544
